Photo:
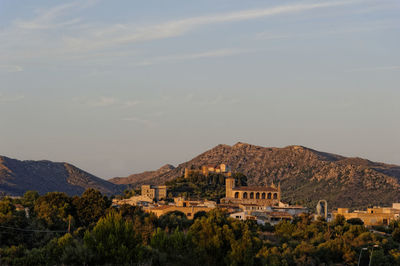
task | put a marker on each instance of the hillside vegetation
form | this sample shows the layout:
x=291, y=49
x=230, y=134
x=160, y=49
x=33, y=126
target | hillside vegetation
x=87, y=230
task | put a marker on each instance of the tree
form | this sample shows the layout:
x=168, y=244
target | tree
x=54, y=208
x=6, y=206
x=29, y=199
x=240, y=179
x=396, y=235
x=199, y=215
x=173, y=249
x=114, y=241
x=222, y=240
x=90, y=207
x=173, y=220
x=355, y=221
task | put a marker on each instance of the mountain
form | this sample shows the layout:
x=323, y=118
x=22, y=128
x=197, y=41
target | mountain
x=16, y=177
x=142, y=177
x=306, y=175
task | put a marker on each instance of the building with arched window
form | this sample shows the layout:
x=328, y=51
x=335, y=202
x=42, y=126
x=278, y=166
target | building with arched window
x=262, y=195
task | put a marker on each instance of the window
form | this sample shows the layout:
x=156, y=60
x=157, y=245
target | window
x=245, y=195
x=275, y=195
x=236, y=195
x=251, y=195
x=269, y=195
x=257, y=195
x=263, y=195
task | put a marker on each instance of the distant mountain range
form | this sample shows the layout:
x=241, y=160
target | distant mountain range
x=16, y=177
x=306, y=175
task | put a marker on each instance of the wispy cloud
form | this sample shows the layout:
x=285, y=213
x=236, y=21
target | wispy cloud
x=141, y=121
x=192, y=56
x=77, y=38
x=10, y=98
x=102, y=102
x=345, y=29
x=92, y=37
x=50, y=18
x=11, y=68
x=372, y=69
x=130, y=103
x=105, y=101
x=127, y=33
x=192, y=99
x=218, y=100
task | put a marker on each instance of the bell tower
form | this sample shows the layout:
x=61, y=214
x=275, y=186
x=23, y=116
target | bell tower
x=229, y=185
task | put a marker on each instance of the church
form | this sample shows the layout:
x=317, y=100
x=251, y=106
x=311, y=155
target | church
x=260, y=195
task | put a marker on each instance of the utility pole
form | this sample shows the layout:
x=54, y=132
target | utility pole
x=359, y=258
x=372, y=252
x=69, y=224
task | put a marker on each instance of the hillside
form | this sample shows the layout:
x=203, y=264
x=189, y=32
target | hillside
x=16, y=177
x=306, y=175
x=148, y=175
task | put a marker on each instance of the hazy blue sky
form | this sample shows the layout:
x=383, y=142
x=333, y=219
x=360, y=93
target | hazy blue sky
x=117, y=87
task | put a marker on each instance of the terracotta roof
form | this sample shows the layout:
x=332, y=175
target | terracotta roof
x=255, y=188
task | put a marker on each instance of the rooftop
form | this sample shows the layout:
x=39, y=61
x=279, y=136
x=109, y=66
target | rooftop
x=256, y=188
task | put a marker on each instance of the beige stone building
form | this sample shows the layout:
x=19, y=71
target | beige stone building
x=208, y=169
x=154, y=192
x=260, y=195
x=182, y=202
x=134, y=201
x=372, y=216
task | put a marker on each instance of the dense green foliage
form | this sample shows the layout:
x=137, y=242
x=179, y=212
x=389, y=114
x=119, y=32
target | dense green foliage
x=210, y=187
x=103, y=235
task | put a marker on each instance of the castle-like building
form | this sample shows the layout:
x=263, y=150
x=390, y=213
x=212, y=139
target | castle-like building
x=154, y=192
x=208, y=169
x=260, y=195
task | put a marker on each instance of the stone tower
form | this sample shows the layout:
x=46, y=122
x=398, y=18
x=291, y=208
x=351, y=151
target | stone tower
x=229, y=185
x=279, y=191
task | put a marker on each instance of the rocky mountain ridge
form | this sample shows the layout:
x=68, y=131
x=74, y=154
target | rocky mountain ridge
x=16, y=177
x=306, y=175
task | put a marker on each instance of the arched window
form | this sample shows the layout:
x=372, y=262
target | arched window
x=245, y=195
x=258, y=195
x=263, y=195
x=269, y=195
x=275, y=195
x=251, y=195
x=236, y=195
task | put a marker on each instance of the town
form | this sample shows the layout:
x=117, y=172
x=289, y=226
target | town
x=259, y=203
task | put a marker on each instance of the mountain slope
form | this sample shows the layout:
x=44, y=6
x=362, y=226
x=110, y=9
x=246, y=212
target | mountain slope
x=306, y=175
x=142, y=177
x=16, y=177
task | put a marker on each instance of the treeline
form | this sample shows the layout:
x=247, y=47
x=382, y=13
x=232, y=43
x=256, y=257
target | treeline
x=87, y=230
x=197, y=185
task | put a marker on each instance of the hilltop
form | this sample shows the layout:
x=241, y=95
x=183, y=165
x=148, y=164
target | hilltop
x=17, y=176
x=306, y=175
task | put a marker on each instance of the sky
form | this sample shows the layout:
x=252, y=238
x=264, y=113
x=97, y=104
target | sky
x=120, y=87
